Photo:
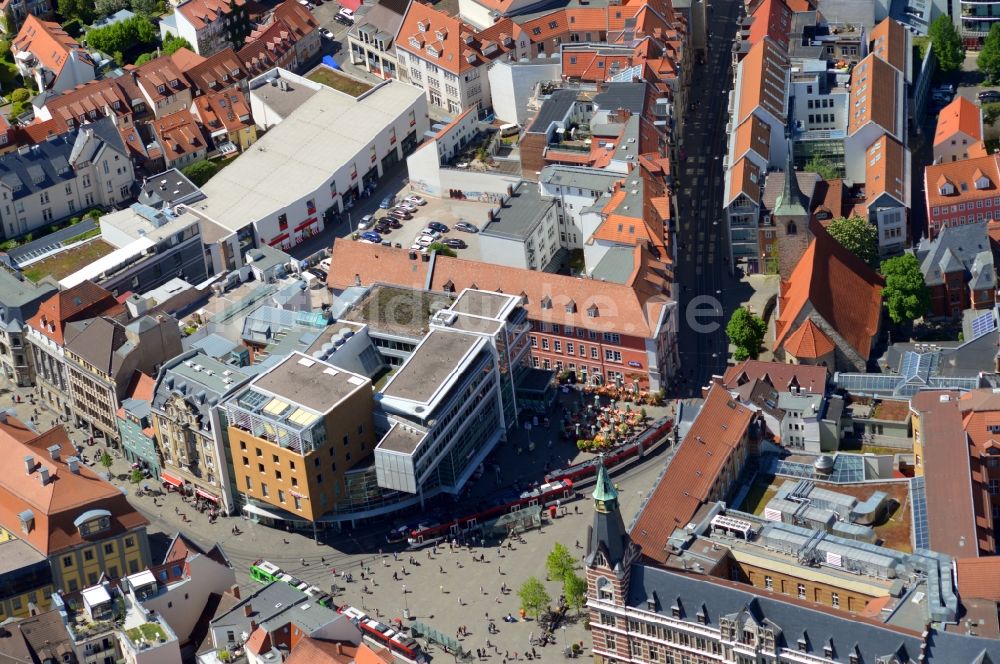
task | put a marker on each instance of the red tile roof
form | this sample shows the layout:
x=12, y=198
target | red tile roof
x=48, y=42
x=961, y=176
x=451, y=44
x=185, y=58
x=161, y=73
x=886, y=170
x=771, y=18
x=58, y=503
x=959, y=118
x=752, y=134
x=874, y=96
x=105, y=98
x=889, y=42
x=808, y=342
x=838, y=286
x=718, y=429
x=83, y=301
x=178, y=135
x=978, y=578
x=226, y=110
x=632, y=308
x=745, y=180
x=778, y=375
x=762, y=81
x=320, y=651
x=201, y=13
x=221, y=70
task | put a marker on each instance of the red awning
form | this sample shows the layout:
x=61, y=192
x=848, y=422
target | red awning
x=206, y=495
x=350, y=4
x=307, y=222
x=278, y=240
x=167, y=478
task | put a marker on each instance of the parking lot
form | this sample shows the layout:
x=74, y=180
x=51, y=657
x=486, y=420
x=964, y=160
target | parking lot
x=445, y=211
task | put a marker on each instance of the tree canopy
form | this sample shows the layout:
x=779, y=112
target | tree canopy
x=122, y=36
x=559, y=562
x=200, y=172
x=906, y=294
x=947, y=44
x=534, y=597
x=989, y=57
x=822, y=168
x=575, y=590
x=746, y=332
x=857, y=236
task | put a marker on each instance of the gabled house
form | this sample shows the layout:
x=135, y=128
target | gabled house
x=761, y=90
x=743, y=187
x=16, y=11
x=887, y=191
x=958, y=269
x=113, y=98
x=163, y=86
x=225, y=115
x=180, y=139
x=44, y=52
x=371, y=40
x=962, y=192
x=877, y=107
x=208, y=25
x=838, y=298
x=214, y=73
x=959, y=133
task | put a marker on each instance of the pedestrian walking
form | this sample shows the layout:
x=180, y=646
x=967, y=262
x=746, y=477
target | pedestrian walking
x=442, y=590
x=441, y=569
x=481, y=591
x=460, y=603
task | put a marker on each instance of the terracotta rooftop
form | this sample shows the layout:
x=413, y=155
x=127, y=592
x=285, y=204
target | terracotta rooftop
x=978, y=578
x=761, y=81
x=161, y=78
x=779, y=375
x=886, y=170
x=889, y=42
x=221, y=70
x=632, y=308
x=961, y=176
x=874, y=96
x=74, y=107
x=839, y=286
x=689, y=480
x=225, y=110
x=62, y=499
x=85, y=300
x=960, y=117
x=745, y=180
x=752, y=134
x=201, y=13
x=48, y=42
x=321, y=651
x=808, y=342
x=771, y=18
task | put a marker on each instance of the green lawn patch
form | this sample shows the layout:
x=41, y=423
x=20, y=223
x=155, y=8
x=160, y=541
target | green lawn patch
x=67, y=262
x=757, y=498
x=149, y=631
x=338, y=81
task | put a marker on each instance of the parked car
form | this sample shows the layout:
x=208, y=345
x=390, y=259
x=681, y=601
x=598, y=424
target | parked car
x=432, y=233
x=391, y=221
x=437, y=226
x=382, y=228
x=346, y=13
x=318, y=273
x=424, y=240
x=326, y=34
x=400, y=213
x=325, y=264
x=409, y=207
x=454, y=243
x=945, y=87
x=342, y=19
x=366, y=222
x=989, y=96
x=466, y=227
x=387, y=202
x=415, y=200
x=372, y=237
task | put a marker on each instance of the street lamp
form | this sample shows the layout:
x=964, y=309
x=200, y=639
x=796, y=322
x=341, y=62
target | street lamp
x=406, y=606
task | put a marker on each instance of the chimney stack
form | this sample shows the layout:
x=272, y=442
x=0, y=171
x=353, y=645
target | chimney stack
x=43, y=475
x=54, y=452
x=29, y=464
x=247, y=609
x=73, y=463
x=235, y=591
x=253, y=626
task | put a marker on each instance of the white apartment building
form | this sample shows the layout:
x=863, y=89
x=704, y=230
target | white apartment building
x=63, y=176
x=208, y=25
x=576, y=189
x=523, y=231
x=450, y=59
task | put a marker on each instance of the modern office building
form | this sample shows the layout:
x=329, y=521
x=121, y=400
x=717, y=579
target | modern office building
x=294, y=432
x=454, y=398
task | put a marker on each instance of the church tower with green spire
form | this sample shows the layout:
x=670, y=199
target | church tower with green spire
x=610, y=556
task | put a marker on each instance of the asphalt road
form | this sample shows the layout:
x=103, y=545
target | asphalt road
x=706, y=285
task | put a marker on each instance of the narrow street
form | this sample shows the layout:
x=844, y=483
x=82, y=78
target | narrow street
x=708, y=294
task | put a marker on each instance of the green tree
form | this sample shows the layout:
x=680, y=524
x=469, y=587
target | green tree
x=559, y=562
x=947, y=44
x=575, y=590
x=746, y=332
x=857, y=236
x=105, y=8
x=989, y=57
x=822, y=168
x=81, y=9
x=534, y=597
x=122, y=36
x=136, y=476
x=146, y=7
x=200, y=172
x=172, y=44
x=906, y=294
x=441, y=248
x=144, y=58
x=106, y=460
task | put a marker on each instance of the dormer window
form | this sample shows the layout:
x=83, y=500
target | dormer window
x=174, y=83
x=442, y=33
x=27, y=519
x=433, y=50
x=982, y=182
x=571, y=307
x=489, y=48
x=162, y=89
x=423, y=26
x=947, y=189
x=592, y=311
x=546, y=302
x=415, y=42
